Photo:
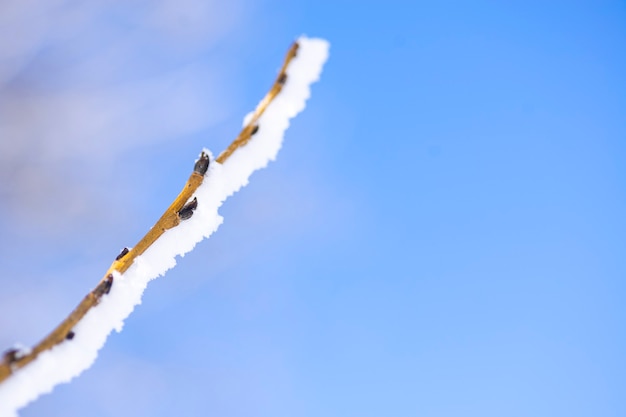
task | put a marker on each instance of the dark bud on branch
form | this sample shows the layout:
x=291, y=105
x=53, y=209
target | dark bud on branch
x=70, y=335
x=104, y=287
x=122, y=254
x=202, y=164
x=187, y=211
x=10, y=356
x=254, y=130
x=282, y=79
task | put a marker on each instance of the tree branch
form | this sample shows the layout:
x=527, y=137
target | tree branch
x=180, y=210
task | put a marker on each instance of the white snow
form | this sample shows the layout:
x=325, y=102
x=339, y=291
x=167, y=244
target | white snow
x=68, y=359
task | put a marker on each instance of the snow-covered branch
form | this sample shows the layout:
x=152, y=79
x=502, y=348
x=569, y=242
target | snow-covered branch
x=73, y=346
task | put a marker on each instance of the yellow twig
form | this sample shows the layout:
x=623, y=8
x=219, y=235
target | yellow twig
x=177, y=211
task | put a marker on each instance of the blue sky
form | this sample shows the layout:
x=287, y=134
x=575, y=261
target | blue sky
x=441, y=235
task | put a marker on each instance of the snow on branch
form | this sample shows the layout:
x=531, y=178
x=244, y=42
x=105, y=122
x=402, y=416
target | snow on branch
x=73, y=346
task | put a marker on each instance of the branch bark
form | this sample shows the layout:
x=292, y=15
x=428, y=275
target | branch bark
x=180, y=209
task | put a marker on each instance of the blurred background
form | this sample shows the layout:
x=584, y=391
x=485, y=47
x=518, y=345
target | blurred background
x=443, y=232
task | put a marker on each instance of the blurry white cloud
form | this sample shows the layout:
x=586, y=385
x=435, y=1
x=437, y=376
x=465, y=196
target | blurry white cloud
x=194, y=23
x=97, y=121
x=83, y=81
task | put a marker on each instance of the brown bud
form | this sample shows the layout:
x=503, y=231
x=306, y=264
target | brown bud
x=104, y=286
x=187, y=211
x=9, y=356
x=202, y=164
x=122, y=254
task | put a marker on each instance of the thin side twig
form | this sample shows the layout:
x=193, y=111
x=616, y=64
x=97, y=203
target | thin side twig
x=178, y=211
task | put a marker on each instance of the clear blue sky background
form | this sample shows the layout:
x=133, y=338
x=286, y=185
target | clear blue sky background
x=443, y=232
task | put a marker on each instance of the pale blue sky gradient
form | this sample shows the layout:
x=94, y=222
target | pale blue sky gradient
x=443, y=232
